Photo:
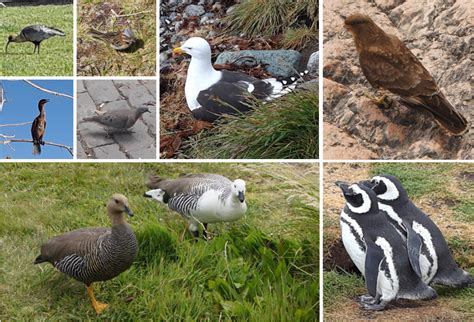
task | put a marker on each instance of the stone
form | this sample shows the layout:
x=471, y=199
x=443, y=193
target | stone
x=277, y=62
x=194, y=10
x=313, y=63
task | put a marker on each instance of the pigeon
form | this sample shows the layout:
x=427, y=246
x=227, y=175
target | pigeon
x=118, y=120
x=119, y=40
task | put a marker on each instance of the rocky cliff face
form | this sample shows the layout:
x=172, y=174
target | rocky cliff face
x=440, y=34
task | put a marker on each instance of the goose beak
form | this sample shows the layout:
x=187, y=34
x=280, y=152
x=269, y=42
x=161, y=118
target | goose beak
x=344, y=187
x=128, y=211
x=241, y=196
x=178, y=51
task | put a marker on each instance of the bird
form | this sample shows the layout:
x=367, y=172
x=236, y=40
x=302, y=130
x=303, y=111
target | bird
x=378, y=251
x=118, y=120
x=388, y=64
x=95, y=254
x=38, y=127
x=200, y=198
x=118, y=40
x=35, y=34
x=211, y=93
x=428, y=251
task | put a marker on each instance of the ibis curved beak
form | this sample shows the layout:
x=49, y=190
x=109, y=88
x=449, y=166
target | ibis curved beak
x=6, y=47
x=178, y=51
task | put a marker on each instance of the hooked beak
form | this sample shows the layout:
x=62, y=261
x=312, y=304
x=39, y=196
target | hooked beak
x=344, y=187
x=241, y=196
x=47, y=100
x=128, y=211
x=178, y=51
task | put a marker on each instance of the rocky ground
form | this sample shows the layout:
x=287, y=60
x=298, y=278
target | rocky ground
x=105, y=95
x=180, y=20
x=440, y=34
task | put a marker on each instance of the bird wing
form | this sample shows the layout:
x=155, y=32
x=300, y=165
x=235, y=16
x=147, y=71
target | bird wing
x=75, y=242
x=396, y=69
x=117, y=119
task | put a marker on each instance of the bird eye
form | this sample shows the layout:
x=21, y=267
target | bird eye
x=116, y=201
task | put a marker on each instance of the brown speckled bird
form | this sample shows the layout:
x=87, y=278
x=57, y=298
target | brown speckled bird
x=38, y=128
x=387, y=63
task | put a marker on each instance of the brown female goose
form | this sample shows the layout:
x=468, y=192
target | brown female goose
x=95, y=254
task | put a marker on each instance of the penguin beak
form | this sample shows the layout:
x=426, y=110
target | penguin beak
x=241, y=196
x=367, y=183
x=128, y=211
x=344, y=187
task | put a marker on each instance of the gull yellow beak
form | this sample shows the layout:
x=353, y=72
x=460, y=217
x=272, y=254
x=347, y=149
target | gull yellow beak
x=178, y=51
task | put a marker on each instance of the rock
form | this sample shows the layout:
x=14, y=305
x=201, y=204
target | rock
x=278, y=62
x=313, y=63
x=312, y=85
x=194, y=10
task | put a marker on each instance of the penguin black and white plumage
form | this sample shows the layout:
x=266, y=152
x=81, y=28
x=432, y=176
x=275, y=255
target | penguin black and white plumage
x=378, y=251
x=428, y=251
x=211, y=93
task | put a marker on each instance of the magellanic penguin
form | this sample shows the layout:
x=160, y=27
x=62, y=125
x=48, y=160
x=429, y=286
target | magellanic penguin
x=378, y=251
x=428, y=251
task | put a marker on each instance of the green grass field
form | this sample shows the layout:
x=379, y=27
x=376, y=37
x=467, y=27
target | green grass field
x=56, y=54
x=265, y=265
x=445, y=192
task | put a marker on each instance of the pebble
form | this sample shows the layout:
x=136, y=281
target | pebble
x=194, y=10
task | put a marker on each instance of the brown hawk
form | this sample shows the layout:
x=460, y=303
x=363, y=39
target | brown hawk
x=387, y=63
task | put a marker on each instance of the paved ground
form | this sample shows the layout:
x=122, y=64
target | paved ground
x=105, y=95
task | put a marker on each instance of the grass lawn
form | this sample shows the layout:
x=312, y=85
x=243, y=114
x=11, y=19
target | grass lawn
x=265, y=265
x=445, y=191
x=56, y=54
x=96, y=58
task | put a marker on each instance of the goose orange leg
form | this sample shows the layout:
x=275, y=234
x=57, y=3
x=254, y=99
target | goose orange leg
x=98, y=307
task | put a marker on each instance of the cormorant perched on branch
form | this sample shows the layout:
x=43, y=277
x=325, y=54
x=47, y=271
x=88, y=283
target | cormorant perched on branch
x=38, y=128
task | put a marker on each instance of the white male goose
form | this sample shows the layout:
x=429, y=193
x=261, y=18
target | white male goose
x=201, y=198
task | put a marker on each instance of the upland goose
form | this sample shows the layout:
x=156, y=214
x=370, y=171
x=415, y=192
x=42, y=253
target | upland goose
x=95, y=254
x=201, y=198
x=38, y=127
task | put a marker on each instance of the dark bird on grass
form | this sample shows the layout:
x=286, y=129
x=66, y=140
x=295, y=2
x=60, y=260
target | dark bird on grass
x=35, y=34
x=201, y=198
x=39, y=127
x=95, y=254
x=119, y=40
x=387, y=63
x=118, y=120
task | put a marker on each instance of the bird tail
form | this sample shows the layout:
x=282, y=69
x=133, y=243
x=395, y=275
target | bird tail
x=40, y=259
x=88, y=119
x=96, y=33
x=445, y=114
x=36, y=149
x=454, y=278
x=153, y=181
x=56, y=31
x=285, y=85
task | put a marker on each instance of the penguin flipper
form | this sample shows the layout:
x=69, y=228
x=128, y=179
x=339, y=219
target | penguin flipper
x=414, y=244
x=373, y=260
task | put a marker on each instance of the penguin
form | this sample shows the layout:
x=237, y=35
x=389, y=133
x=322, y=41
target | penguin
x=428, y=251
x=378, y=251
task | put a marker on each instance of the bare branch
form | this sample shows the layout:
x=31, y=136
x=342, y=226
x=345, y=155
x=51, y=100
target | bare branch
x=16, y=124
x=47, y=90
x=68, y=148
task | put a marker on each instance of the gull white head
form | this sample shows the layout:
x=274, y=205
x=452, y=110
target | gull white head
x=238, y=189
x=156, y=194
x=196, y=47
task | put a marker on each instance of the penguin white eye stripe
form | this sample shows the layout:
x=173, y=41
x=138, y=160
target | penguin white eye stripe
x=392, y=192
x=366, y=204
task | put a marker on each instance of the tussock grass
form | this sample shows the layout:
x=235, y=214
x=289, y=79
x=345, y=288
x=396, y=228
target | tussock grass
x=256, y=267
x=282, y=129
x=56, y=54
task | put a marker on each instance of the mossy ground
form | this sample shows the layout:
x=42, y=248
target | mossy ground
x=265, y=265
